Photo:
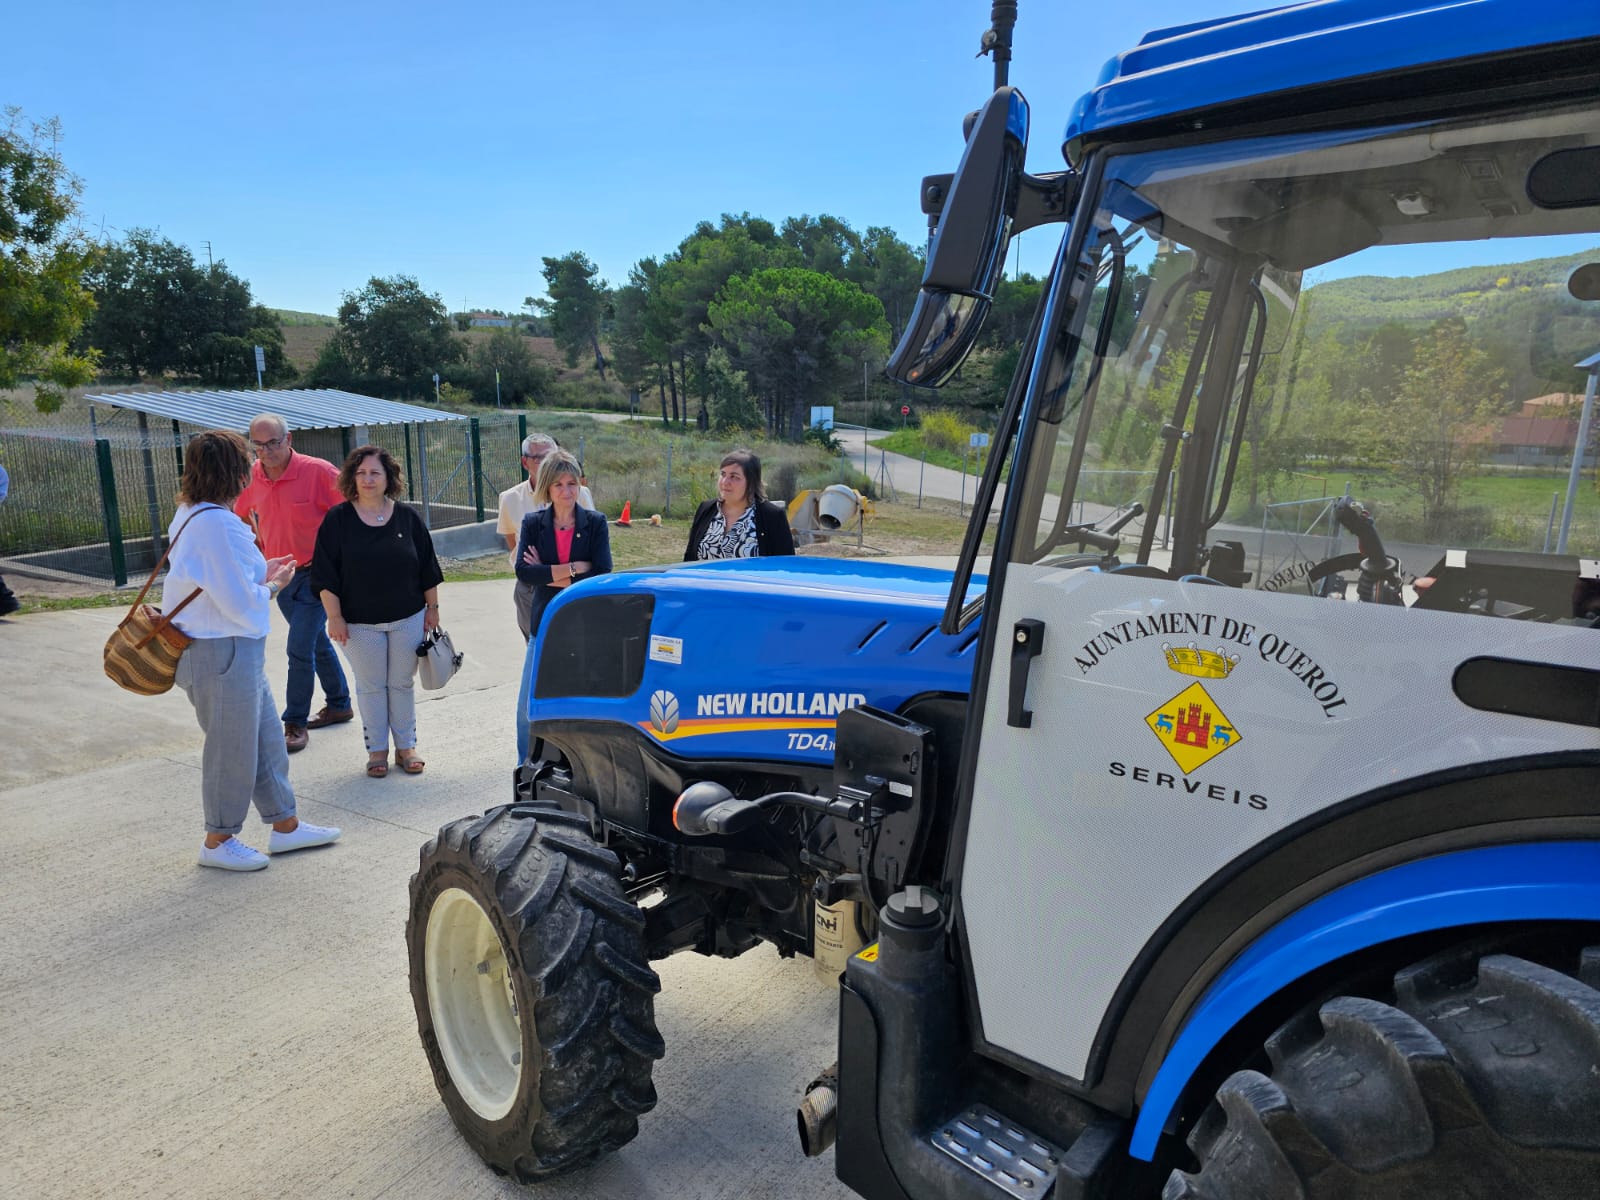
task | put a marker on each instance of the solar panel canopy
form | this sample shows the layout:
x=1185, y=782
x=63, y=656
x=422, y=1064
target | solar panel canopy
x=302, y=408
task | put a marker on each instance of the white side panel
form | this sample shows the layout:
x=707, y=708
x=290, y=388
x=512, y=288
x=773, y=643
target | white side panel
x=1087, y=830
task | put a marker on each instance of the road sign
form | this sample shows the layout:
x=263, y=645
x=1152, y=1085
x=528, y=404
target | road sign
x=978, y=441
x=261, y=359
x=905, y=410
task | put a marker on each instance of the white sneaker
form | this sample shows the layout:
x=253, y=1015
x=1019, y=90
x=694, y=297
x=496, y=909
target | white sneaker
x=232, y=855
x=300, y=837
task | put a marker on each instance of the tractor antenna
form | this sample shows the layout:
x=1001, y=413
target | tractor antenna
x=997, y=39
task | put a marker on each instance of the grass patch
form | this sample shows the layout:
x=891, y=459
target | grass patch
x=910, y=443
x=1502, y=509
x=67, y=603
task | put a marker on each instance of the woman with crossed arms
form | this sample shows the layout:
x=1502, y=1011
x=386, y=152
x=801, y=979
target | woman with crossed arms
x=558, y=546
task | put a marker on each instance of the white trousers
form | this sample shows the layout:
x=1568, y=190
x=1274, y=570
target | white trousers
x=384, y=660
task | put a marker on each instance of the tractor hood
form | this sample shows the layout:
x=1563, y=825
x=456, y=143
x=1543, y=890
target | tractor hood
x=747, y=659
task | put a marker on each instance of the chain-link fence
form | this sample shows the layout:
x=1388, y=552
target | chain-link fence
x=96, y=502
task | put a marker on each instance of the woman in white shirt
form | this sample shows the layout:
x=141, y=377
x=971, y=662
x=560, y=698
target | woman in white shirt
x=224, y=670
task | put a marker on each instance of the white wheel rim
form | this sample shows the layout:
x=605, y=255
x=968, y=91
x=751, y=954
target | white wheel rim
x=473, y=1005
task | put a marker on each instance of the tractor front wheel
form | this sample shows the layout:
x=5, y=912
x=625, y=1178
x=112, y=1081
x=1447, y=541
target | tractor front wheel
x=533, y=994
x=1480, y=1080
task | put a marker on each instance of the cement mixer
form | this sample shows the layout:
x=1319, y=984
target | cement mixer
x=818, y=514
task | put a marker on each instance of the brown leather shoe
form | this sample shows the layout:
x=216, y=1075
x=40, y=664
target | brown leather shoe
x=295, y=737
x=330, y=716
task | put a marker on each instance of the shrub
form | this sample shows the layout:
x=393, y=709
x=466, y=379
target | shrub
x=946, y=431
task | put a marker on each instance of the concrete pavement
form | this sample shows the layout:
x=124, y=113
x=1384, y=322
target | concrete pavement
x=174, y=1031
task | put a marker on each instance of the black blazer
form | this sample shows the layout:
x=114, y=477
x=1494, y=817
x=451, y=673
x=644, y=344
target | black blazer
x=591, y=542
x=773, y=536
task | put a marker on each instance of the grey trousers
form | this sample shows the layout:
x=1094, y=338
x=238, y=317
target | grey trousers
x=244, y=760
x=523, y=598
x=384, y=660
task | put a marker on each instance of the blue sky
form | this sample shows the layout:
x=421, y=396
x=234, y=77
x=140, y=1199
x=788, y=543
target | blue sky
x=315, y=146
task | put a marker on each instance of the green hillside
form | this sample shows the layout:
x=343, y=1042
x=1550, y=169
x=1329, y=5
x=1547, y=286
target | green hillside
x=1520, y=313
x=1504, y=291
x=291, y=319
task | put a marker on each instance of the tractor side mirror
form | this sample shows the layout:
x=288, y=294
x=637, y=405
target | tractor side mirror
x=969, y=245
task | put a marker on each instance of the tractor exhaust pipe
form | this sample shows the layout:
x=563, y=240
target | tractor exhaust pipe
x=817, y=1116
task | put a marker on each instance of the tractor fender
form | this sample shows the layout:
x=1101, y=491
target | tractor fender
x=1535, y=881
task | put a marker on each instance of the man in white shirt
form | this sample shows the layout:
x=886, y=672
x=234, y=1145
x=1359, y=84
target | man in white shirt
x=516, y=503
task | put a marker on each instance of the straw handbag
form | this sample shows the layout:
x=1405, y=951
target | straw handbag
x=142, y=652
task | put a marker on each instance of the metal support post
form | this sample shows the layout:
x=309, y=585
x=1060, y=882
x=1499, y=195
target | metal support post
x=152, y=498
x=477, y=467
x=108, y=507
x=422, y=477
x=1591, y=365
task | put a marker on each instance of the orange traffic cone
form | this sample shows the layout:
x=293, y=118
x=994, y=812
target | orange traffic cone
x=627, y=513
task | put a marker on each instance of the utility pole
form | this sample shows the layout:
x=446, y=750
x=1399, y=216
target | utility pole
x=209, y=263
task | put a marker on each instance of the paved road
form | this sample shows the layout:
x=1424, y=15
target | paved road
x=908, y=476
x=172, y=1031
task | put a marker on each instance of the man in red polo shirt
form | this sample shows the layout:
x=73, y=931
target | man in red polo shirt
x=285, y=502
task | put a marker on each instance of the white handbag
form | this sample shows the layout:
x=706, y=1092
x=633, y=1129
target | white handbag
x=437, y=660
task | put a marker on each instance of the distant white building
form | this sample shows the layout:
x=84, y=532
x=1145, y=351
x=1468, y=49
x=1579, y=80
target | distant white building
x=488, y=320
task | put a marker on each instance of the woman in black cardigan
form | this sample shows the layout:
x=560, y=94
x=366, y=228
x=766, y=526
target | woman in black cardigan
x=378, y=577
x=741, y=522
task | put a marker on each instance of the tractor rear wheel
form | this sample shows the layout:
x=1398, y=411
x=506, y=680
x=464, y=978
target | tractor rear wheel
x=533, y=994
x=1480, y=1080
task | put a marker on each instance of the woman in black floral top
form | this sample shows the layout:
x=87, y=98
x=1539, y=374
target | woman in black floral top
x=741, y=522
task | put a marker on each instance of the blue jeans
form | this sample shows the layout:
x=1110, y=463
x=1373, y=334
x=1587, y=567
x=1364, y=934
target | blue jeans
x=310, y=651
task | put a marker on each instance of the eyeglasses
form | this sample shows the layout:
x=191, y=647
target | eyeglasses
x=262, y=447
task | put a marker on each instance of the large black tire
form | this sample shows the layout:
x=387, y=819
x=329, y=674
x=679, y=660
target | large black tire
x=1480, y=1080
x=534, y=997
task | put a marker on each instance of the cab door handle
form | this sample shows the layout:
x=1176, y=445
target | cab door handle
x=1027, y=640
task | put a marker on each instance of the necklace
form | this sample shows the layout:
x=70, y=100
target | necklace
x=379, y=518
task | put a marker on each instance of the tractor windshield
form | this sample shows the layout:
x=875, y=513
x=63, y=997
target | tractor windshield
x=1254, y=329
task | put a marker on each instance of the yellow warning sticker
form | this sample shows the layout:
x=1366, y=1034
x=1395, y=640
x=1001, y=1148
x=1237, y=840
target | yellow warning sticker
x=870, y=954
x=1193, y=728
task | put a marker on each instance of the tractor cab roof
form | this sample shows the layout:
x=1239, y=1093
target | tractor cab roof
x=1188, y=69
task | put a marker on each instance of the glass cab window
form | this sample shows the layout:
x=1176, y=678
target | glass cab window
x=1342, y=363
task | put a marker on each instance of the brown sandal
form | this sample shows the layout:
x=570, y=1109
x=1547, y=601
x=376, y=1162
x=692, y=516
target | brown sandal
x=377, y=768
x=409, y=762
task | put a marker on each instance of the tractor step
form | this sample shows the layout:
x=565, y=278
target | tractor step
x=1001, y=1151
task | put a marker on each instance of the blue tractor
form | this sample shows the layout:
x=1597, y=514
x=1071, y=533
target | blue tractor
x=1191, y=838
